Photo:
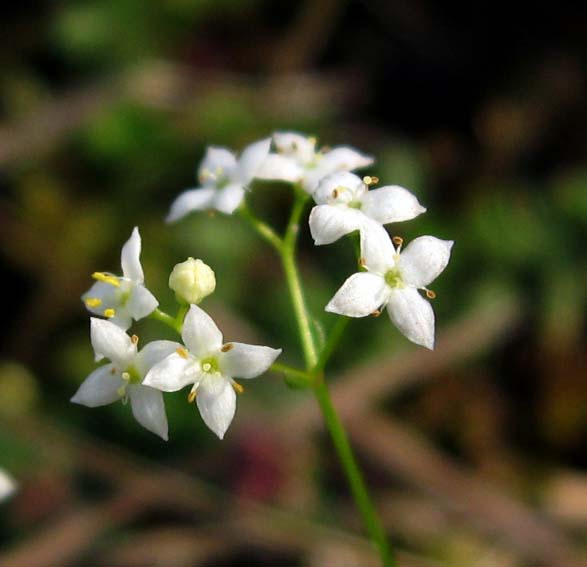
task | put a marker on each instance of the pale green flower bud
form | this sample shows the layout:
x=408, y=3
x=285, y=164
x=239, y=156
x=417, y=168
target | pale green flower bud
x=192, y=280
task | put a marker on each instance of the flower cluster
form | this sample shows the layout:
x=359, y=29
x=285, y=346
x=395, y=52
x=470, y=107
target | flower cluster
x=140, y=376
x=344, y=203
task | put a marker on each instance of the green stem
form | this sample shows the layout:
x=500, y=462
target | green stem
x=262, y=228
x=331, y=343
x=299, y=377
x=354, y=475
x=167, y=320
x=293, y=281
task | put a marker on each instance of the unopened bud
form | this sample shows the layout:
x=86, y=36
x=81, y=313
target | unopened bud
x=192, y=280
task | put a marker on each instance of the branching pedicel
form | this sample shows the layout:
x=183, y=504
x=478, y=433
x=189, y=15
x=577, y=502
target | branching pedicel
x=344, y=203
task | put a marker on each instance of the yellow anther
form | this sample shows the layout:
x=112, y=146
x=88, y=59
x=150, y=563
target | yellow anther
x=335, y=194
x=192, y=396
x=430, y=294
x=362, y=262
x=134, y=340
x=376, y=313
x=125, y=376
x=106, y=278
x=109, y=313
x=237, y=387
x=370, y=180
x=92, y=302
x=113, y=371
x=182, y=352
x=397, y=240
x=227, y=347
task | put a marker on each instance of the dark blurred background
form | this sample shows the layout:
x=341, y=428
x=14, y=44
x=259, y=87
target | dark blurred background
x=475, y=452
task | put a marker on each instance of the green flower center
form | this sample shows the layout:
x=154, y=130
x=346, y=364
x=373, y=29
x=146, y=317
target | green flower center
x=393, y=278
x=210, y=365
x=355, y=204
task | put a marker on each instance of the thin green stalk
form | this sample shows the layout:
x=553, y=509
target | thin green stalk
x=353, y=474
x=262, y=228
x=293, y=282
x=298, y=377
x=331, y=343
x=167, y=320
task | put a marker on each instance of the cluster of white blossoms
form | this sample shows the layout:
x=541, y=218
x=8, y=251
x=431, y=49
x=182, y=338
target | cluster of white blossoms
x=140, y=376
x=344, y=203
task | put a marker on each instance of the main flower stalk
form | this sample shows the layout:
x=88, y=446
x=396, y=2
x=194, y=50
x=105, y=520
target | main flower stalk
x=315, y=363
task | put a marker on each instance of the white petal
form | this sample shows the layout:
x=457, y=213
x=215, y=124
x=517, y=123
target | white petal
x=172, y=373
x=424, y=259
x=280, y=168
x=391, y=204
x=247, y=361
x=345, y=185
x=359, y=296
x=141, y=302
x=8, y=485
x=99, y=388
x=200, y=334
x=190, y=200
x=130, y=257
x=295, y=145
x=343, y=158
x=149, y=409
x=377, y=250
x=329, y=222
x=153, y=353
x=106, y=293
x=217, y=403
x=228, y=199
x=252, y=158
x=412, y=315
x=110, y=341
x=218, y=162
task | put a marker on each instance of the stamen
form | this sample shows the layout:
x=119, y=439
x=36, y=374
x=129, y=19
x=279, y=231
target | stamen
x=370, y=180
x=362, y=262
x=106, y=278
x=113, y=371
x=335, y=194
x=182, y=352
x=109, y=313
x=227, y=347
x=237, y=387
x=206, y=367
x=92, y=302
x=121, y=391
x=125, y=376
x=192, y=396
x=430, y=294
x=397, y=240
x=376, y=313
x=134, y=340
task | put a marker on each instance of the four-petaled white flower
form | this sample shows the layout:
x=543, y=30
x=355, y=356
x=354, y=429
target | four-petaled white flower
x=392, y=279
x=297, y=160
x=122, y=377
x=8, y=485
x=223, y=180
x=211, y=367
x=122, y=299
x=345, y=204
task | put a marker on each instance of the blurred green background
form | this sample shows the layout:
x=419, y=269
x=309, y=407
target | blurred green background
x=476, y=453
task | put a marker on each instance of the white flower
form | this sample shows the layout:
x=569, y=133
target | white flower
x=122, y=377
x=392, y=279
x=8, y=485
x=122, y=299
x=211, y=367
x=345, y=204
x=223, y=180
x=297, y=160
